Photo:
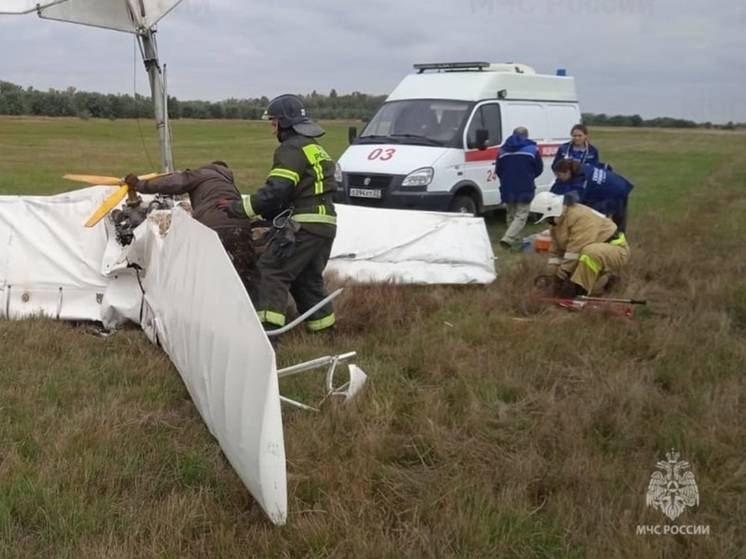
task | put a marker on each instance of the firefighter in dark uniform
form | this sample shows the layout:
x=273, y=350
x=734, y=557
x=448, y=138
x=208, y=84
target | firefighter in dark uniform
x=298, y=197
x=206, y=186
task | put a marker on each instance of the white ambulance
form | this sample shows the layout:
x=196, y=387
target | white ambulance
x=433, y=144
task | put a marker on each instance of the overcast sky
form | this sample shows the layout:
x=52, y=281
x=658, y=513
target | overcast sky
x=681, y=58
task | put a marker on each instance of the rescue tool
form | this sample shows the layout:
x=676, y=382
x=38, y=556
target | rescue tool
x=624, y=307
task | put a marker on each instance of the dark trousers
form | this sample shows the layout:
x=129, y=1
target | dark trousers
x=616, y=209
x=238, y=244
x=301, y=275
x=619, y=214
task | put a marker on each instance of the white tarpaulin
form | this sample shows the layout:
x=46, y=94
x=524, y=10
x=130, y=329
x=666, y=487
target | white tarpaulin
x=404, y=246
x=119, y=15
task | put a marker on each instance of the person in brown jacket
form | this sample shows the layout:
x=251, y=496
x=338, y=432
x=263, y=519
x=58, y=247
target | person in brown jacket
x=206, y=185
x=586, y=247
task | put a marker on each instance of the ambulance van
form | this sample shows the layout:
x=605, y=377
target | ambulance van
x=432, y=145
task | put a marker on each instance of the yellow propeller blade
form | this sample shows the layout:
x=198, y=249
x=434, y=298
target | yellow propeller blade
x=95, y=179
x=109, y=204
x=105, y=180
x=114, y=199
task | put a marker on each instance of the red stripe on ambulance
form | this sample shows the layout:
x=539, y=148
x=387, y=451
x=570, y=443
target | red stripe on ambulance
x=490, y=154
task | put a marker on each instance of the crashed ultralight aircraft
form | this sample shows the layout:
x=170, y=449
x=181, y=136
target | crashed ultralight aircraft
x=128, y=267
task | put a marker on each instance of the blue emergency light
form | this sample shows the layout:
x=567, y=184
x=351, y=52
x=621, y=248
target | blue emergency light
x=561, y=72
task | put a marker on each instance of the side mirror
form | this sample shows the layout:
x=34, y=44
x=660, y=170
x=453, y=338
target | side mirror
x=481, y=139
x=351, y=134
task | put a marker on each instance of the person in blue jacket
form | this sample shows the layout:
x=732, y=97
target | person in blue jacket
x=518, y=164
x=580, y=149
x=605, y=191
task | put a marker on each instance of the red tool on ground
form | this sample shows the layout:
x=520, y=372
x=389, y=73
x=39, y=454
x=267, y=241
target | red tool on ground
x=583, y=303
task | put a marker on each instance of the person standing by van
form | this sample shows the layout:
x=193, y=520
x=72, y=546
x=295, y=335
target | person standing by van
x=518, y=164
x=579, y=149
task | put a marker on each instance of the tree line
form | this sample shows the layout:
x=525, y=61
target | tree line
x=602, y=119
x=16, y=100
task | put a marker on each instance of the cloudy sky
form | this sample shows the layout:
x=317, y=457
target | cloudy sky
x=681, y=58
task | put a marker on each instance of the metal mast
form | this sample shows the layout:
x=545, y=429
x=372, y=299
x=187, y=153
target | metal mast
x=149, y=50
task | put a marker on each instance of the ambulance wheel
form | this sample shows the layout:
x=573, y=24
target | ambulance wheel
x=463, y=204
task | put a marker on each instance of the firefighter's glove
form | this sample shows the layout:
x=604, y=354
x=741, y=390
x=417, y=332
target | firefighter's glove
x=566, y=289
x=234, y=208
x=132, y=181
x=283, y=242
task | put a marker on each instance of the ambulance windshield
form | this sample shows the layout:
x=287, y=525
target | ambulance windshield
x=416, y=121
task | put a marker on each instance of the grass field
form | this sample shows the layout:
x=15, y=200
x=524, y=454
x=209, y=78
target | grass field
x=490, y=426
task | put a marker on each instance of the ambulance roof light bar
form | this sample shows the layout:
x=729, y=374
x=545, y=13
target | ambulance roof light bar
x=441, y=66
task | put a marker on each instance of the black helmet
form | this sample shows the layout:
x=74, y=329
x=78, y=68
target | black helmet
x=289, y=111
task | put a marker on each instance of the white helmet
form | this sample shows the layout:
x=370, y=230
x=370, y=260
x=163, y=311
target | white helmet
x=546, y=205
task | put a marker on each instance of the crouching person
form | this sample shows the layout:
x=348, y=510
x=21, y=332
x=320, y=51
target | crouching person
x=586, y=250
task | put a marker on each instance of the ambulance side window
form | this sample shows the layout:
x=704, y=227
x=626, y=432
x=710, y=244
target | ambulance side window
x=487, y=117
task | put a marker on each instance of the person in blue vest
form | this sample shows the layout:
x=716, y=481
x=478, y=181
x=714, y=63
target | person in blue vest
x=580, y=149
x=517, y=166
x=605, y=191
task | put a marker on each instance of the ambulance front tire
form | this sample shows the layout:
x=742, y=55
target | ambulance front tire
x=463, y=204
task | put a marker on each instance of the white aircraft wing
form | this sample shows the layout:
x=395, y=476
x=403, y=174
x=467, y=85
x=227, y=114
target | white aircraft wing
x=119, y=15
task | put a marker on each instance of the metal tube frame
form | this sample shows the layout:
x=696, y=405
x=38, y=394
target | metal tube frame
x=149, y=50
x=305, y=315
x=332, y=361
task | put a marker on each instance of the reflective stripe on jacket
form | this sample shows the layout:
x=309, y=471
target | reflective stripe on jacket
x=302, y=178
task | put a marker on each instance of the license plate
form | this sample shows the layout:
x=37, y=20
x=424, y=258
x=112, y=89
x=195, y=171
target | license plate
x=365, y=193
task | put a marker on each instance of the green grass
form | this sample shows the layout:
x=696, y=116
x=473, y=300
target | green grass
x=36, y=152
x=491, y=426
